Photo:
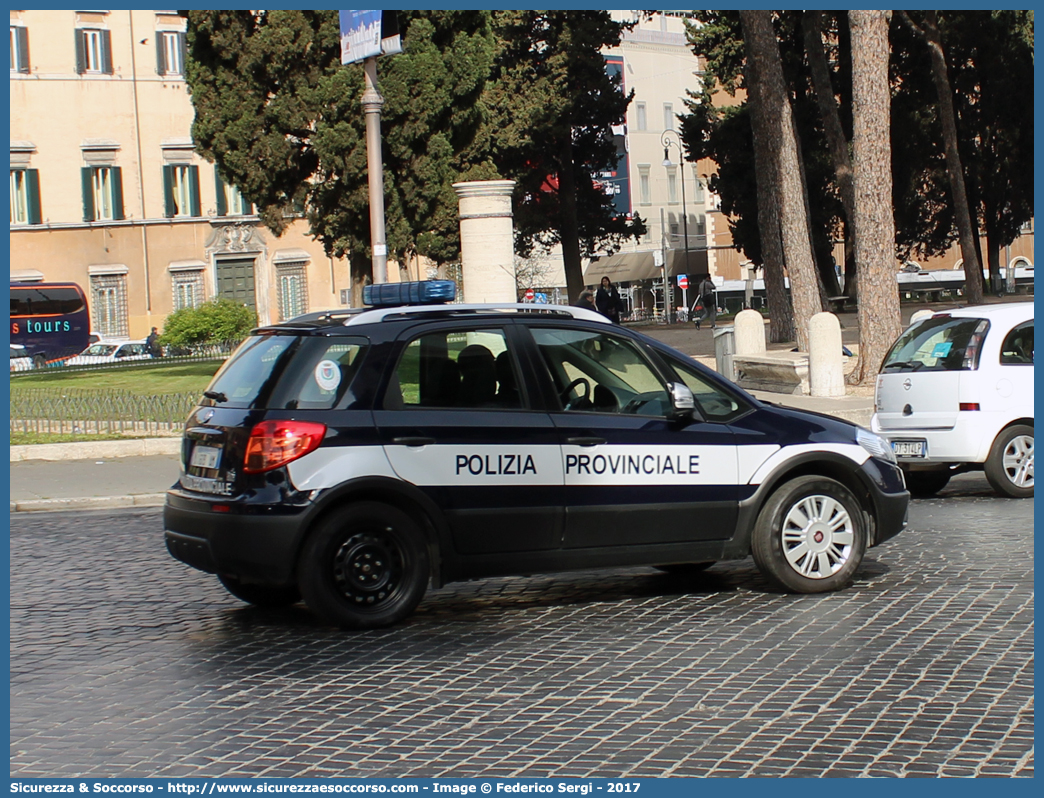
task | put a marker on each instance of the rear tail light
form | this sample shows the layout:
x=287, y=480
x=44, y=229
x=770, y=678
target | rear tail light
x=967, y=406
x=275, y=443
x=971, y=351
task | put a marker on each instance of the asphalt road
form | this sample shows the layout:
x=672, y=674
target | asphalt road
x=126, y=663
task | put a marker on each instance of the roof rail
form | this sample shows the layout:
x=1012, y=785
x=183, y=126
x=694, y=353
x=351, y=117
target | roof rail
x=449, y=310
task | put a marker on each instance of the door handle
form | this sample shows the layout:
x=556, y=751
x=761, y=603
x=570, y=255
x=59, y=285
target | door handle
x=413, y=441
x=585, y=441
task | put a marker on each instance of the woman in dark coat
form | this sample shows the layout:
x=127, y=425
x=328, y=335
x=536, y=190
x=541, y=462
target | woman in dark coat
x=608, y=301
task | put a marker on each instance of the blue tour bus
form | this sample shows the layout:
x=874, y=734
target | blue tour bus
x=50, y=320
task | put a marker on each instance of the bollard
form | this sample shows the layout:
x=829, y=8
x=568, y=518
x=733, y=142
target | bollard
x=826, y=376
x=750, y=333
x=921, y=314
x=724, y=349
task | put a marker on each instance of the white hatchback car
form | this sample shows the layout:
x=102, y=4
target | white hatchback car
x=955, y=393
x=111, y=352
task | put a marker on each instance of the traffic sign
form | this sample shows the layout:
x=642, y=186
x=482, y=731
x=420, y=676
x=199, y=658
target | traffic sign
x=530, y=293
x=683, y=281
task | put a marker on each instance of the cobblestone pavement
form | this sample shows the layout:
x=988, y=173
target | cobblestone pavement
x=126, y=663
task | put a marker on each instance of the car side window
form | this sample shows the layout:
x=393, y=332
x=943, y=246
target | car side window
x=598, y=372
x=1017, y=349
x=457, y=368
x=713, y=402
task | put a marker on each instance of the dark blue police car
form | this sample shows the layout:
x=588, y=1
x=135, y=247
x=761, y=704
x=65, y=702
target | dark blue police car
x=351, y=458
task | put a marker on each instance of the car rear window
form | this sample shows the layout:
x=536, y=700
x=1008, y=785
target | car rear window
x=288, y=372
x=939, y=343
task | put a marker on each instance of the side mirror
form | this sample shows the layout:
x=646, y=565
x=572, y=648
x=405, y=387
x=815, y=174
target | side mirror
x=683, y=403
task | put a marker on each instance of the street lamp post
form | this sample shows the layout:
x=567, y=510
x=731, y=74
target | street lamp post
x=665, y=140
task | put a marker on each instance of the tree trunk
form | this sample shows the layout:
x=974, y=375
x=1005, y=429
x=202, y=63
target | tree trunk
x=835, y=134
x=361, y=267
x=781, y=312
x=879, y=319
x=569, y=229
x=966, y=224
x=762, y=48
x=993, y=257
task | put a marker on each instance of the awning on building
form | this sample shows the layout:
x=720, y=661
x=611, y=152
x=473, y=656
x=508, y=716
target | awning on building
x=629, y=267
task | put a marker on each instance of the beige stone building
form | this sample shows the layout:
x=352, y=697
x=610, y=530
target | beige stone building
x=107, y=192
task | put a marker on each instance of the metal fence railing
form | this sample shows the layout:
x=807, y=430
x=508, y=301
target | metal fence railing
x=199, y=353
x=78, y=410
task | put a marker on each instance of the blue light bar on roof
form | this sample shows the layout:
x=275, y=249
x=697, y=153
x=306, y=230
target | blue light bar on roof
x=422, y=292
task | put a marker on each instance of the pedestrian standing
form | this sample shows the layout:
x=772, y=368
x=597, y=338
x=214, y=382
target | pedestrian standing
x=152, y=343
x=706, y=303
x=586, y=300
x=608, y=301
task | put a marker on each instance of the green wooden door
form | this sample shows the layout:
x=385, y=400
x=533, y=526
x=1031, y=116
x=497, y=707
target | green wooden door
x=235, y=280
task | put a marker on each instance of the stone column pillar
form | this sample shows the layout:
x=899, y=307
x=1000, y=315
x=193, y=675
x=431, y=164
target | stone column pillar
x=487, y=245
x=825, y=370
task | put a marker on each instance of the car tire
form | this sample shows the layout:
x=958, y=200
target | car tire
x=685, y=568
x=264, y=596
x=810, y=535
x=923, y=484
x=364, y=567
x=1009, y=467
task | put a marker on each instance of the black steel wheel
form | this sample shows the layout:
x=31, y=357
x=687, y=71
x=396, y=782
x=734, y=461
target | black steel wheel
x=923, y=484
x=364, y=567
x=810, y=536
x=264, y=596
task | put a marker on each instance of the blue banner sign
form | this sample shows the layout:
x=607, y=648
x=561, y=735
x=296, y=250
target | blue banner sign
x=360, y=35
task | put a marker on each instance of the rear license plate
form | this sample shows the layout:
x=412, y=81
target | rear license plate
x=910, y=448
x=205, y=457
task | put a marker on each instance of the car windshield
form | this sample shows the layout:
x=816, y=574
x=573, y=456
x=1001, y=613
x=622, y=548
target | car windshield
x=102, y=350
x=939, y=343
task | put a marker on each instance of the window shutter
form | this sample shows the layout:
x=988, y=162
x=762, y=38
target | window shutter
x=23, y=48
x=32, y=190
x=86, y=175
x=182, y=48
x=168, y=192
x=117, y=192
x=194, y=190
x=81, y=57
x=161, y=54
x=106, y=52
x=219, y=187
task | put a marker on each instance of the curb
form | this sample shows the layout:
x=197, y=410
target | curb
x=91, y=450
x=89, y=503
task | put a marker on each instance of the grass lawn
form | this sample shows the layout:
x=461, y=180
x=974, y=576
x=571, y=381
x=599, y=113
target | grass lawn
x=147, y=379
x=32, y=438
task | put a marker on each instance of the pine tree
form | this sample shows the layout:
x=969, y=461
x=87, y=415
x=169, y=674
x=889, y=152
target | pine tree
x=552, y=107
x=281, y=118
x=879, y=319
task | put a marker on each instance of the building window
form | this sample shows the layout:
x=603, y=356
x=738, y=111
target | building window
x=170, y=52
x=25, y=196
x=639, y=110
x=699, y=190
x=93, y=52
x=109, y=304
x=292, y=284
x=187, y=289
x=102, y=193
x=668, y=116
x=181, y=190
x=644, y=193
x=701, y=225
x=19, y=49
x=230, y=202
x=672, y=185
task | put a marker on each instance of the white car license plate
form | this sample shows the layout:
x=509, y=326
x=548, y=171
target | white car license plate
x=205, y=457
x=909, y=448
